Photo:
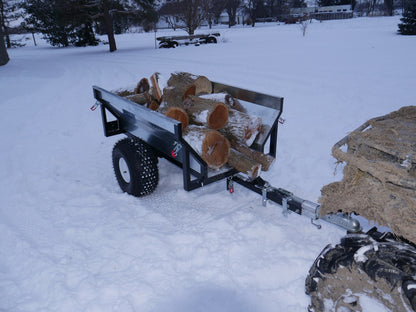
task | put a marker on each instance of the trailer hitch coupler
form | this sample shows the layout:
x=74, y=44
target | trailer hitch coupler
x=310, y=209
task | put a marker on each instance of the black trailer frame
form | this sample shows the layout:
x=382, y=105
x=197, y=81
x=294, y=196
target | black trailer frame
x=164, y=136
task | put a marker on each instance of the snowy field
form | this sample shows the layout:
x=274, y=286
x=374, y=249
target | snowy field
x=70, y=240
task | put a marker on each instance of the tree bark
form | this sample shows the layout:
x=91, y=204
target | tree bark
x=265, y=160
x=183, y=81
x=4, y=56
x=142, y=98
x=206, y=112
x=211, y=145
x=142, y=86
x=227, y=99
x=180, y=86
x=108, y=22
x=244, y=164
x=241, y=127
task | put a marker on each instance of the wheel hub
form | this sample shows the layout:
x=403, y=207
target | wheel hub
x=124, y=170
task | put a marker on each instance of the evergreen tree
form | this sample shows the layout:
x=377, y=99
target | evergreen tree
x=4, y=56
x=70, y=22
x=62, y=22
x=408, y=25
x=9, y=11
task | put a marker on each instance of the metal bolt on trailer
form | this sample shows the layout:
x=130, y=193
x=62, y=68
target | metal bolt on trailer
x=163, y=136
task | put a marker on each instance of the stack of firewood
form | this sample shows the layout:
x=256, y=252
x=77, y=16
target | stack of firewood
x=215, y=125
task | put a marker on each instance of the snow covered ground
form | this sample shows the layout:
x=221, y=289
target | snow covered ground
x=70, y=240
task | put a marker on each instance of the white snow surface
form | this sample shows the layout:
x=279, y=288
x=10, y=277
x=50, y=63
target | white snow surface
x=72, y=241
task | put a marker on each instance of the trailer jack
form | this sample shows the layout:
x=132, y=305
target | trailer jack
x=292, y=203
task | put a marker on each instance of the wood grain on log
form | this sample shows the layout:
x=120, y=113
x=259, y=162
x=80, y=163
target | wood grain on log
x=211, y=145
x=178, y=114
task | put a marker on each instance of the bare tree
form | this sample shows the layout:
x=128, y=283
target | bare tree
x=232, y=6
x=189, y=14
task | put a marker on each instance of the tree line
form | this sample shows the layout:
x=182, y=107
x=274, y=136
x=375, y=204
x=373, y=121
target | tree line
x=76, y=22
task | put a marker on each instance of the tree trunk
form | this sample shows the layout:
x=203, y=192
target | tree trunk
x=4, y=56
x=108, y=23
x=211, y=145
x=7, y=35
x=206, y=112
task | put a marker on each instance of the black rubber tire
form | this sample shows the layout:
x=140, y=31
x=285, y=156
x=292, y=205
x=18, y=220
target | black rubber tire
x=211, y=40
x=383, y=269
x=164, y=45
x=135, y=167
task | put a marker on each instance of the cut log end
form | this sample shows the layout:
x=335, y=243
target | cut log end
x=191, y=90
x=203, y=85
x=218, y=117
x=178, y=114
x=215, y=149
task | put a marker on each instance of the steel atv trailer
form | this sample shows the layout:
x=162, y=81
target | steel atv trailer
x=174, y=41
x=152, y=135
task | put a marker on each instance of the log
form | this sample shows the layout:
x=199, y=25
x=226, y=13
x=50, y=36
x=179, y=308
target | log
x=206, y=112
x=174, y=97
x=141, y=98
x=178, y=114
x=211, y=145
x=183, y=80
x=156, y=88
x=154, y=105
x=241, y=127
x=244, y=164
x=142, y=86
x=124, y=92
x=265, y=160
x=227, y=99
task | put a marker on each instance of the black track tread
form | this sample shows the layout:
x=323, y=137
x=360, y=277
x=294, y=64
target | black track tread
x=390, y=259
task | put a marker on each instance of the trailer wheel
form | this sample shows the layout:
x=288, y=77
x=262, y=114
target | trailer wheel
x=135, y=167
x=211, y=40
x=363, y=271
